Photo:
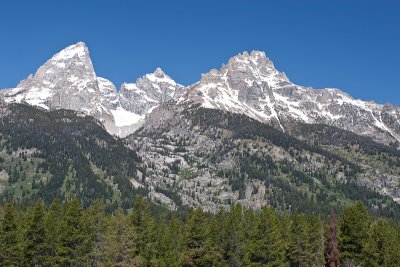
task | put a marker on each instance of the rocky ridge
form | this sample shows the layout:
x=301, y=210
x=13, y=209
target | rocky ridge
x=68, y=81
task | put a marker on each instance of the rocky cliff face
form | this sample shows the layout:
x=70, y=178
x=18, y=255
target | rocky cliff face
x=68, y=81
x=248, y=84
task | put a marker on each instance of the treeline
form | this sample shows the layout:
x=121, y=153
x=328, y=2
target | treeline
x=68, y=235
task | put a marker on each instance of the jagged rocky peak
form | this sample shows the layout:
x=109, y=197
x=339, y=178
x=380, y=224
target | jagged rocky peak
x=66, y=80
x=250, y=84
x=160, y=74
x=246, y=70
x=149, y=91
x=255, y=57
x=72, y=63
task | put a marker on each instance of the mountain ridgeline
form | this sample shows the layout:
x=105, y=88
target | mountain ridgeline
x=242, y=134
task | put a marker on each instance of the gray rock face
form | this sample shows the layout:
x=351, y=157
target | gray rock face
x=64, y=81
x=249, y=84
x=148, y=92
x=68, y=81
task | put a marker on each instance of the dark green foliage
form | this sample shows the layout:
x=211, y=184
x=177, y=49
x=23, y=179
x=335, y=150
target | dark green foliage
x=354, y=226
x=299, y=251
x=67, y=146
x=10, y=247
x=72, y=248
x=67, y=235
x=194, y=240
x=36, y=248
x=120, y=246
x=144, y=232
x=265, y=247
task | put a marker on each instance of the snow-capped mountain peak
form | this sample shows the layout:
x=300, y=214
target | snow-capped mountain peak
x=248, y=84
x=79, y=50
x=159, y=76
x=61, y=82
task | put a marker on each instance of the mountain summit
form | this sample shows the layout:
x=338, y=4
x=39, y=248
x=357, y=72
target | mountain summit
x=68, y=81
x=248, y=84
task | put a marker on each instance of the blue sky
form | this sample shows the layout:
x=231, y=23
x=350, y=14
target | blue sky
x=353, y=45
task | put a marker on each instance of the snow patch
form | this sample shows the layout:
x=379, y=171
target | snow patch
x=122, y=117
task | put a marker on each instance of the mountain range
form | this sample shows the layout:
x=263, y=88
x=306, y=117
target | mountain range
x=193, y=143
x=248, y=84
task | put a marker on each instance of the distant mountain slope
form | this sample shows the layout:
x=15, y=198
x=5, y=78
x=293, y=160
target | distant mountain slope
x=212, y=158
x=61, y=154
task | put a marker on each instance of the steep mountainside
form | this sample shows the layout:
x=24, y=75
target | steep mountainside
x=243, y=133
x=249, y=84
x=61, y=154
x=210, y=158
x=68, y=81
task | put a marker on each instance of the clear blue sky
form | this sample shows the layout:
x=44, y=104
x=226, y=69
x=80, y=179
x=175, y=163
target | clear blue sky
x=350, y=44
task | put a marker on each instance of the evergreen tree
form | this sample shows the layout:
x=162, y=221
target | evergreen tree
x=71, y=249
x=299, y=253
x=214, y=239
x=380, y=248
x=233, y=235
x=170, y=243
x=36, y=247
x=120, y=249
x=265, y=246
x=332, y=249
x=145, y=231
x=354, y=225
x=194, y=240
x=96, y=222
x=68, y=235
x=316, y=241
x=53, y=221
x=9, y=241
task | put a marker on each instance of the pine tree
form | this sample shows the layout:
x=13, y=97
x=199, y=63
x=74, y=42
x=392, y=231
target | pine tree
x=194, y=240
x=285, y=222
x=233, y=235
x=170, y=243
x=10, y=252
x=316, y=241
x=52, y=221
x=36, y=247
x=120, y=249
x=354, y=226
x=299, y=252
x=332, y=249
x=214, y=239
x=265, y=246
x=96, y=224
x=381, y=246
x=145, y=231
x=72, y=235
